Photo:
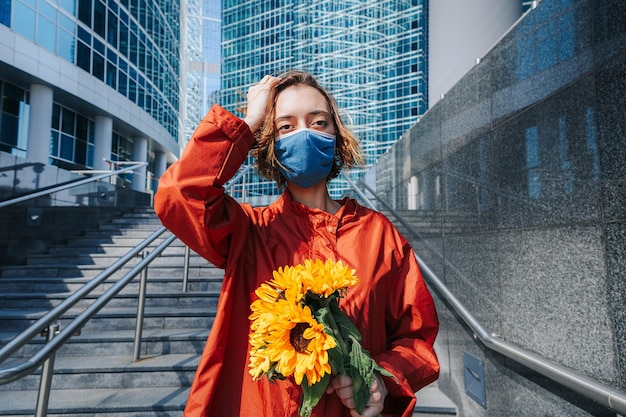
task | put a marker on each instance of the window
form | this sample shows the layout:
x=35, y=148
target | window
x=71, y=139
x=83, y=56
x=99, y=18
x=84, y=11
x=24, y=20
x=46, y=34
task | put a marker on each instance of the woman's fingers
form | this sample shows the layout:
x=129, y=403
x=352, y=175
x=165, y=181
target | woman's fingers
x=257, y=97
x=342, y=386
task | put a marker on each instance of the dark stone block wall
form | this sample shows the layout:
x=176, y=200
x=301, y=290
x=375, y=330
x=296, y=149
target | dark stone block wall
x=524, y=163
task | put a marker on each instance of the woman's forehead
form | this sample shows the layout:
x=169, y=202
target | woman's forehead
x=300, y=98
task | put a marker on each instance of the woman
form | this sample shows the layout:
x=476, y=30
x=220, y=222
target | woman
x=301, y=143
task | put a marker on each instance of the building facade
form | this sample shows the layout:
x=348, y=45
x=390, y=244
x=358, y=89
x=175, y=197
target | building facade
x=203, y=60
x=370, y=55
x=87, y=82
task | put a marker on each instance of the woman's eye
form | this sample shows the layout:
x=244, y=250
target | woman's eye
x=321, y=123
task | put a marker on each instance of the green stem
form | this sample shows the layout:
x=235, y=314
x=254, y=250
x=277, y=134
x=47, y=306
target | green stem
x=336, y=332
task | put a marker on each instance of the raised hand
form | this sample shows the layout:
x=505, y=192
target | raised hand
x=257, y=102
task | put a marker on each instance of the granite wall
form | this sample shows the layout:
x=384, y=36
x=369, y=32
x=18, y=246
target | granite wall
x=523, y=167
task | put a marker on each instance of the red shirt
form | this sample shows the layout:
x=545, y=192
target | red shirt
x=390, y=305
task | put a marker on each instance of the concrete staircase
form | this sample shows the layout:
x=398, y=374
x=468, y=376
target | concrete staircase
x=94, y=374
x=430, y=223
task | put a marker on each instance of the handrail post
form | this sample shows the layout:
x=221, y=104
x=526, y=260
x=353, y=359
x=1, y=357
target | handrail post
x=186, y=269
x=112, y=179
x=46, y=376
x=141, y=303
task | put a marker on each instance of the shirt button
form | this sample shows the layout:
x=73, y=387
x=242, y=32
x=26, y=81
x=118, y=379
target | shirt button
x=331, y=229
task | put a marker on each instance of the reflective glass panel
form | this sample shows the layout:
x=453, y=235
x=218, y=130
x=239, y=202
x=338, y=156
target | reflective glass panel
x=54, y=143
x=69, y=5
x=47, y=10
x=24, y=20
x=66, y=23
x=67, y=44
x=83, y=57
x=9, y=126
x=84, y=11
x=47, y=34
x=67, y=147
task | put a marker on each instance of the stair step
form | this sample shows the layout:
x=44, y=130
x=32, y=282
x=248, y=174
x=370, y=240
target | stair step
x=107, y=371
x=121, y=342
x=94, y=374
x=175, y=249
x=156, y=269
x=432, y=401
x=126, y=298
x=117, y=240
x=121, y=402
x=153, y=220
x=121, y=232
x=155, y=284
x=104, y=260
x=137, y=225
x=120, y=318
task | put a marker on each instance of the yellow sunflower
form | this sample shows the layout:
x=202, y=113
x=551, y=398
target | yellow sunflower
x=285, y=336
x=259, y=361
x=324, y=278
x=298, y=345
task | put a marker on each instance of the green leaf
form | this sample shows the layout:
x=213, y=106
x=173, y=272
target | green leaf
x=344, y=325
x=336, y=357
x=311, y=395
x=337, y=354
x=361, y=369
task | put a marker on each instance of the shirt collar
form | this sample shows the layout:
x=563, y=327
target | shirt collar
x=345, y=213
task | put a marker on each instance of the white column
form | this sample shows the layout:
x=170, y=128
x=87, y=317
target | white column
x=412, y=193
x=39, y=123
x=103, y=138
x=160, y=164
x=140, y=154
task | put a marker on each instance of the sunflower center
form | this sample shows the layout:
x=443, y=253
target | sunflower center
x=297, y=339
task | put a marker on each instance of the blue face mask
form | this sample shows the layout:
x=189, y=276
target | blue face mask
x=306, y=156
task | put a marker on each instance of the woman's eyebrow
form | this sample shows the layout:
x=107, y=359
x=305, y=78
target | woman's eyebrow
x=324, y=112
x=312, y=113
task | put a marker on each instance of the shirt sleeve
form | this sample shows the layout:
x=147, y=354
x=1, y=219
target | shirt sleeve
x=413, y=325
x=191, y=201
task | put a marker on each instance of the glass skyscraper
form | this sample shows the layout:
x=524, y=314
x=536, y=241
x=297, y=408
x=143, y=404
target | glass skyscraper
x=105, y=75
x=203, y=26
x=370, y=55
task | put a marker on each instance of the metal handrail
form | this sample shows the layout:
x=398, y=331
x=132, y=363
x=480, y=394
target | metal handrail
x=55, y=339
x=593, y=389
x=13, y=373
x=36, y=194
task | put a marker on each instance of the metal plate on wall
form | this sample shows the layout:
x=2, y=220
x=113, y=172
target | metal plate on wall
x=474, y=376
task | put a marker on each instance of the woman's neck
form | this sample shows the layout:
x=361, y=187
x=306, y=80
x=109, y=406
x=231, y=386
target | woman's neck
x=314, y=197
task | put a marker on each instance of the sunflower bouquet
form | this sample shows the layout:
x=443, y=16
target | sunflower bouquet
x=299, y=331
